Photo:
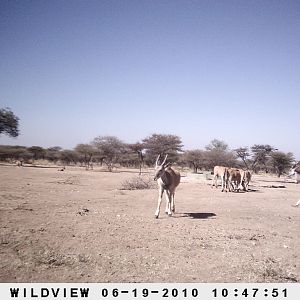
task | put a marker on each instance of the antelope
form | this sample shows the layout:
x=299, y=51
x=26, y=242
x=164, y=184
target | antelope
x=167, y=179
x=19, y=163
x=234, y=179
x=222, y=172
x=295, y=170
x=245, y=179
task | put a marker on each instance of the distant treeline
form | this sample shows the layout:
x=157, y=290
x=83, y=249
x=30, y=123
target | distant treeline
x=111, y=152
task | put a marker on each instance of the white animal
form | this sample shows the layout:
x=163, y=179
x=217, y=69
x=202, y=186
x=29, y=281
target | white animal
x=297, y=204
x=167, y=179
x=221, y=172
x=295, y=170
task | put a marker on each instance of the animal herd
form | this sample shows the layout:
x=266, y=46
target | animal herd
x=232, y=180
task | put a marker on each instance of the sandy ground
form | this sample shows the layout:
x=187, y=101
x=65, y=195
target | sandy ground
x=79, y=226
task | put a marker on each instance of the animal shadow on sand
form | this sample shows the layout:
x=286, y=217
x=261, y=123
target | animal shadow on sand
x=253, y=191
x=276, y=180
x=248, y=191
x=198, y=215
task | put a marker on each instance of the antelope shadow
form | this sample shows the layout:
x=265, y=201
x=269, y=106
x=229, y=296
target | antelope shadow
x=277, y=180
x=248, y=191
x=193, y=215
x=252, y=191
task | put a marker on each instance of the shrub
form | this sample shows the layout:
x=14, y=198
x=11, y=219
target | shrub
x=138, y=183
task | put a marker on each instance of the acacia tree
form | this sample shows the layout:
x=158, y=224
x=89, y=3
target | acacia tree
x=86, y=152
x=138, y=149
x=218, y=154
x=244, y=154
x=110, y=148
x=281, y=162
x=37, y=152
x=68, y=157
x=9, y=123
x=162, y=144
x=53, y=153
x=261, y=156
x=221, y=158
x=11, y=153
x=194, y=158
x=216, y=144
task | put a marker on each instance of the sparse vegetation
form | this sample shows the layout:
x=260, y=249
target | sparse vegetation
x=114, y=153
x=138, y=183
x=82, y=226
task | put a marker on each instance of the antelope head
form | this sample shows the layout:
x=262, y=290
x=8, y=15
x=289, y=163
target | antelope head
x=160, y=168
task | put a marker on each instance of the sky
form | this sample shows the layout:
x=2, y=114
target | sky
x=202, y=70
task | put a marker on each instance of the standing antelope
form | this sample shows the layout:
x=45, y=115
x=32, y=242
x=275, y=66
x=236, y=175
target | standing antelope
x=222, y=172
x=245, y=179
x=295, y=170
x=167, y=179
x=234, y=179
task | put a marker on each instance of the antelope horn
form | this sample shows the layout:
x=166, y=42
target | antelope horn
x=156, y=163
x=165, y=159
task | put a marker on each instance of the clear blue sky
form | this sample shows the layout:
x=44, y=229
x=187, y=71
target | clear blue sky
x=74, y=70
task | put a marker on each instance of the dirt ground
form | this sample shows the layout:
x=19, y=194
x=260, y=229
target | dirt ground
x=80, y=226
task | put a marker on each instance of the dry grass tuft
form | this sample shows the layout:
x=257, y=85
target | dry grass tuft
x=138, y=183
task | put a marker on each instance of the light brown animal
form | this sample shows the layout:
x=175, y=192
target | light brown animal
x=234, y=179
x=222, y=172
x=245, y=179
x=168, y=179
x=19, y=163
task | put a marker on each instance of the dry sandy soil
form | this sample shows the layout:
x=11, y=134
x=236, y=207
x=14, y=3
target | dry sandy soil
x=80, y=226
